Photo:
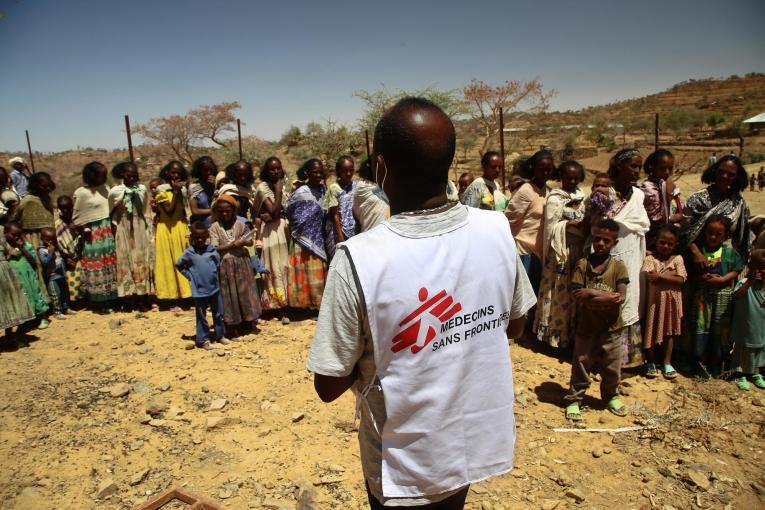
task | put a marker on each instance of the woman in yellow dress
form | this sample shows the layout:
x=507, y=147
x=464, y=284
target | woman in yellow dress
x=172, y=233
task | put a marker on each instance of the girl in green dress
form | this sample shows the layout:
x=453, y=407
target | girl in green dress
x=23, y=261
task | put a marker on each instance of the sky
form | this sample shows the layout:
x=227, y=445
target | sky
x=72, y=69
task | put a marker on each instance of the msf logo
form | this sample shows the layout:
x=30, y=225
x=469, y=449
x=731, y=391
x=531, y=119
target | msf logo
x=420, y=326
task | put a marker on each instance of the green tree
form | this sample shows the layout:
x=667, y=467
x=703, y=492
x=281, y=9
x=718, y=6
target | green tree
x=680, y=121
x=715, y=119
x=376, y=102
x=331, y=140
x=291, y=138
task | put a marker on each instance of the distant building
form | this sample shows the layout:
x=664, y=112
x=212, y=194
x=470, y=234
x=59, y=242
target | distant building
x=757, y=123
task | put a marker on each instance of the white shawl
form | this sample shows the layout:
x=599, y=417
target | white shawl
x=633, y=225
x=555, y=224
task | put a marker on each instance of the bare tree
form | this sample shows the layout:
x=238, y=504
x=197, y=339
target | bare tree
x=513, y=96
x=174, y=131
x=211, y=120
x=182, y=132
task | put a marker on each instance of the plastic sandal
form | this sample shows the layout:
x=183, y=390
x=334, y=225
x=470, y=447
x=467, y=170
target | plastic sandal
x=669, y=372
x=573, y=413
x=759, y=381
x=743, y=384
x=650, y=371
x=616, y=407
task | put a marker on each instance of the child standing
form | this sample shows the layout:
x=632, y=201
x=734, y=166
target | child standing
x=171, y=238
x=660, y=193
x=664, y=272
x=200, y=264
x=14, y=309
x=69, y=242
x=230, y=235
x=599, y=285
x=713, y=297
x=54, y=272
x=23, y=261
x=748, y=331
x=128, y=205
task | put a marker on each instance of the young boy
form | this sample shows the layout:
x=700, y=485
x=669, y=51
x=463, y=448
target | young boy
x=200, y=264
x=599, y=285
x=54, y=272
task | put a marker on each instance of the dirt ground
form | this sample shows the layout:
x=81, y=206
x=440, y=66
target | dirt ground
x=243, y=426
x=102, y=412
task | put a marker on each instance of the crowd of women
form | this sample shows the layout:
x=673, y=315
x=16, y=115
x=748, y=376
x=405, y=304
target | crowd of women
x=690, y=291
x=119, y=245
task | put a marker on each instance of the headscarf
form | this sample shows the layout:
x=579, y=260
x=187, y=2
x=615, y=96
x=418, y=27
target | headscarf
x=226, y=198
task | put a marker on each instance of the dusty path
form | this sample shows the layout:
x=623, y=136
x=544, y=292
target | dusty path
x=76, y=433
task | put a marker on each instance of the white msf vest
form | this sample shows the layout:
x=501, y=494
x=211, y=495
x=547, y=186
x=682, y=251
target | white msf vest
x=438, y=311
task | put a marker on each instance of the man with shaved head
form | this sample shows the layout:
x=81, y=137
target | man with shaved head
x=415, y=319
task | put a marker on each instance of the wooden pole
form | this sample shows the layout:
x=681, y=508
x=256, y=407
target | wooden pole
x=239, y=136
x=502, y=144
x=130, y=138
x=369, y=149
x=656, y=131
x=29, y=148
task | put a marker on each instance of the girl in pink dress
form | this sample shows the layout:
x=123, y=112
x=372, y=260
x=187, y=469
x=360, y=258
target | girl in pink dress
x=664, y=274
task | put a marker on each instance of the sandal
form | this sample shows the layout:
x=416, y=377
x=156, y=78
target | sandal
x=616, y=407
x=650, y=371
x=669, y=372
x=759, y=381
x=743, y=384
x=573, y=412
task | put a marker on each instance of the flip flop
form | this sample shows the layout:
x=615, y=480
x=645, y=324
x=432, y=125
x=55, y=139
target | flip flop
x=743, y=384
x=669, y=372
x=650, y=371
x=759, y=381
x=573, y=413
x=616, y=407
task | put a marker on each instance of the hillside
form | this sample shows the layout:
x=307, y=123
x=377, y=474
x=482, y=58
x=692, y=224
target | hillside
x=732, y=97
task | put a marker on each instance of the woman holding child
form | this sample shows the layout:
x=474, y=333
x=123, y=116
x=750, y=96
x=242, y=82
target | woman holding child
x=725, y=179
x=563, y=244
x=629, y=212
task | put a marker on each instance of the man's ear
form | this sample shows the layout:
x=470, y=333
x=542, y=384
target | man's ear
x=616, y=241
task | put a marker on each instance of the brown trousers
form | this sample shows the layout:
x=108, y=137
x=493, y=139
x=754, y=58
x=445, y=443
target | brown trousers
x=596, y=353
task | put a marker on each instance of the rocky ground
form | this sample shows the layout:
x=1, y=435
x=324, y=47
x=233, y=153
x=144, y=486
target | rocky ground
x=106, y=411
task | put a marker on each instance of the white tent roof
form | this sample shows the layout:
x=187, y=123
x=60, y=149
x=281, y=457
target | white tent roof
x=756, y=118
